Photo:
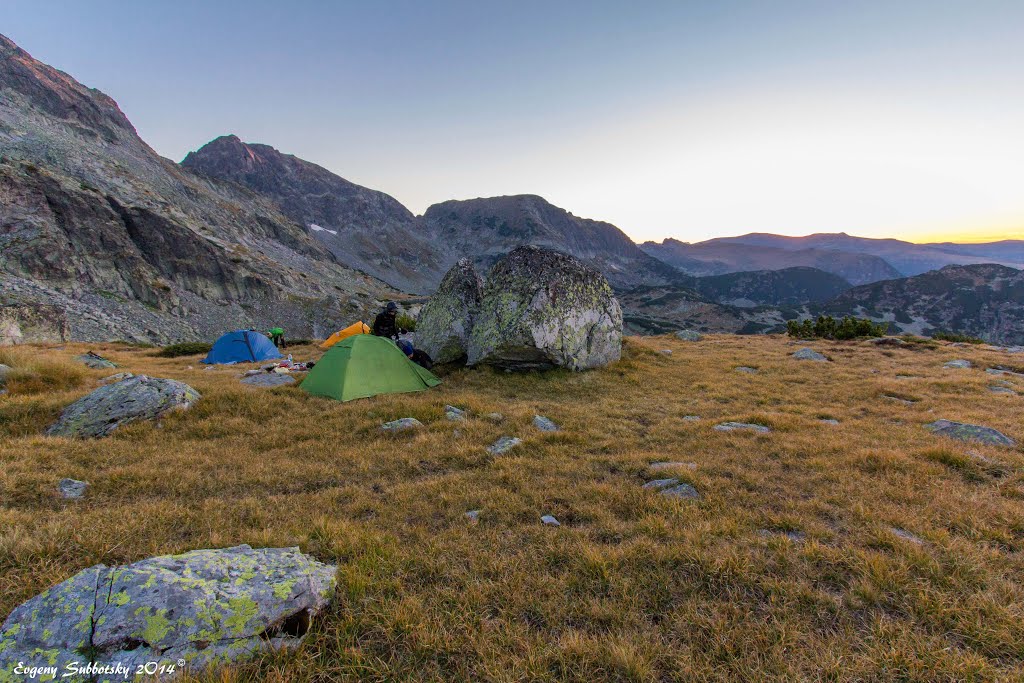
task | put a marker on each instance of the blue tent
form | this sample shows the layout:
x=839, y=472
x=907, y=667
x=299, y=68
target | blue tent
x=241, y=346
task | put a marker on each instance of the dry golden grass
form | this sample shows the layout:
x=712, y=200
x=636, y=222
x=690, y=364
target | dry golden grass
x=632, y=586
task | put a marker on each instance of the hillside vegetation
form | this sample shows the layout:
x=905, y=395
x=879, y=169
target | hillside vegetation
x=870, y=549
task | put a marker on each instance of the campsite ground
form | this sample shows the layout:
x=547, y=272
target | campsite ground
x=632, y=586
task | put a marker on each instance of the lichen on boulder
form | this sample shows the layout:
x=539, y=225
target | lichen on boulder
x=543, y=309
x=445, y=322
x=203, y=607
x=130, y=400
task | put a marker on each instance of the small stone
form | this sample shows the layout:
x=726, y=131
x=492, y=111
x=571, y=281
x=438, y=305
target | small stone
x=401, y=424
x=747, y=369
x=1001, y=390
x=268, y=379
x=658, y=466
x=906, y=535
x=667, y=352
x=503, y=445
x=960, y=364
x=733, y=426
x=495, y=417
x=473, y=515
x=999, y=370
x=659, y=484
x=682, y=491
x=4, y=371
x=795, y=536
x=968, y=432
x=72, y=489
x=544, y=424
x=689, y=335
x=454, y=414
x=550, y=520
x=691, y=418
x=829, y=421
x=95, y=361
x=456, y=433
x=809, y=354
x=898, y=399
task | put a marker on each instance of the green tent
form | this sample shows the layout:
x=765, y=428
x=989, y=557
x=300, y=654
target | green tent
x=364, y=365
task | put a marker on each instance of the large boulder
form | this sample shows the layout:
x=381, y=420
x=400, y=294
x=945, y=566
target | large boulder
x=33, y=323
x=543, y=309
x=446, y=320
x=120, y=403
x=203, y=607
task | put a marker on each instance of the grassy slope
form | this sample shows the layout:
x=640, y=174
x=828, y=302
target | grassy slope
x=632, y=586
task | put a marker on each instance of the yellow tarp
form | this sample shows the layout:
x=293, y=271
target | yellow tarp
x=354, y=328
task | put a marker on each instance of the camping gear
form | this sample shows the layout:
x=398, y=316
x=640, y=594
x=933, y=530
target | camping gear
x=241, y=346
x=354, y=328
x=364, y=365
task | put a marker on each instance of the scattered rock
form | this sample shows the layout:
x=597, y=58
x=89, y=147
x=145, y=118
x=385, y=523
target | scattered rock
x=667, y=352
x=681, y=491
x=544, y=309
x=691, y=418
x=268, y=379
x=130, y=400
x=401, y=424
x=658, y=466
x=959, y=363
x=117, y=377
x=968, y=432
x=999, y=370
x=445, y=323
x=733, y=426
x=72, y=488
x=5, y=370
x=689, y=335
x=898, y=399
x=888, y=341
x=906, y=535
x=550, y=520
x=809, y=354
x=795, y=536
x=473, y=515
x=503, y=445
x=659, y=484
x=495, y=417
x=544, y=424
x=1002, y=390
x=829, y=421
x=746, y=369
x=205, y=607
x=95, y=361
x=454, y=414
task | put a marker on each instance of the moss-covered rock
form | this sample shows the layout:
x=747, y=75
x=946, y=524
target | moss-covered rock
x=132, y=399
x=202, y=607
x=968, y=432
x=444, y=324
x=543, y=309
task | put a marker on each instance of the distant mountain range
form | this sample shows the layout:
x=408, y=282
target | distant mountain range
x=130, y=245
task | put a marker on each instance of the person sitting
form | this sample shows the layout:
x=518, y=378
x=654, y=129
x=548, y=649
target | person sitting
x=276, y=335
x=386, y=322
x=417, y=356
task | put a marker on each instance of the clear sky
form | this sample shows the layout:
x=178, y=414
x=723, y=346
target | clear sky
x=684, y=119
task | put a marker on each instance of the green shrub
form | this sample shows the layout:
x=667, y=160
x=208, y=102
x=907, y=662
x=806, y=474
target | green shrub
x=184, y=349
x=406, y=322
x=954, y=337
x=827, y=327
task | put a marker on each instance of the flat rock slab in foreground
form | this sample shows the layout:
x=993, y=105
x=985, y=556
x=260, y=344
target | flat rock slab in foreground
x=544, y=424
x=968, y=432
x=503, y=445
x=734, y=426
x=130, y=400
x=203, y=607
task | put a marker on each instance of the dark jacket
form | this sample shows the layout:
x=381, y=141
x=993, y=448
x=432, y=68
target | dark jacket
x=386, y=325
x=420, y=358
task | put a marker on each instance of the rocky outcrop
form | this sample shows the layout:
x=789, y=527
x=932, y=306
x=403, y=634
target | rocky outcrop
x=132, y=246
x=205, y=607
x=130, y=400
x=445, y=322
x=33, y=323
x=542, y=309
